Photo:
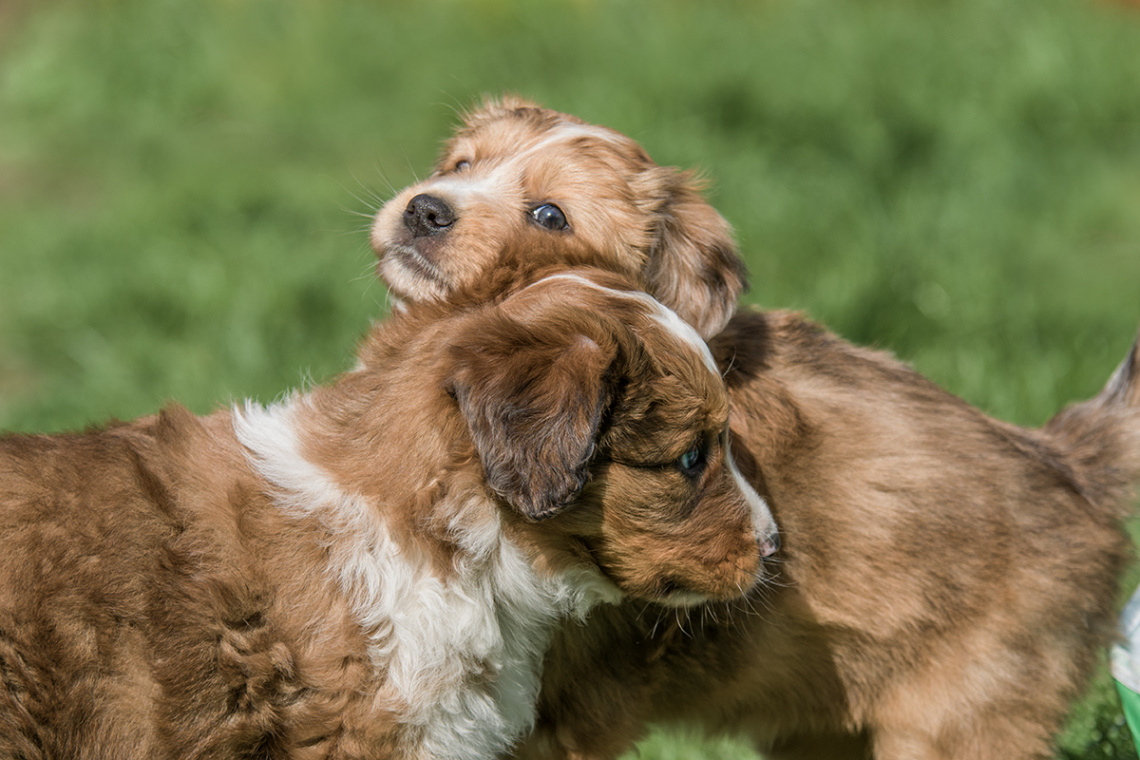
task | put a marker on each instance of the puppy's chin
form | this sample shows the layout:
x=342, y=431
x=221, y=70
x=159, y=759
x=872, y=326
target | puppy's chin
x=411, y=277
x=691, y=586
x=683, y=599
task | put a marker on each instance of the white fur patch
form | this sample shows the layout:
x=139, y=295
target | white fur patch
x=436, y=642
x=762, y=520
x=462, y=189
x=566, y=132
x=503, y=174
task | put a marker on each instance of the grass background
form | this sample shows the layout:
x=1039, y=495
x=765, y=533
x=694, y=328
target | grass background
x=185, y=185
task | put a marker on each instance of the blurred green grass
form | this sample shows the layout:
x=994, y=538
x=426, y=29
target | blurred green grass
x=184, y=185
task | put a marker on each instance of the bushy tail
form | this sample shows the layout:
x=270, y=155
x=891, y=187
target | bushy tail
x=1100, y=438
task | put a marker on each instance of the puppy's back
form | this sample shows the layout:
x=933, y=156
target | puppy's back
x=77, y=523
x=128, y=585
x=946, y=537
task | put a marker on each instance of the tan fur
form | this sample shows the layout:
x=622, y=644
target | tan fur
x=166, y=591
x=948, y=580
x=637, y=218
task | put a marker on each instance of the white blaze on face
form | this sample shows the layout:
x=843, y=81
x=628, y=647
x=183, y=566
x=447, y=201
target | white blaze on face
x=767, y=533
x=492, y=180
x=459, y=190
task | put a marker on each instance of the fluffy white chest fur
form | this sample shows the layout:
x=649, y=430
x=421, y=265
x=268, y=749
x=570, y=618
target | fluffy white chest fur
x=461, y=657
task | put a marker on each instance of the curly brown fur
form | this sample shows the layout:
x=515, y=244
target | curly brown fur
x=372, y=569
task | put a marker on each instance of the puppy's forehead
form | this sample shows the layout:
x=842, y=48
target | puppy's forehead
x=503, y=152
x=521, y=141
x=676, y=329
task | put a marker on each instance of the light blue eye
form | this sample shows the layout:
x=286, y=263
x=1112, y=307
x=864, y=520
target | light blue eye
x=692, y=460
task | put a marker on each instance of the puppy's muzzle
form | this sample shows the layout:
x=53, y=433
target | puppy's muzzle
x=428, y=215
x=769, y=545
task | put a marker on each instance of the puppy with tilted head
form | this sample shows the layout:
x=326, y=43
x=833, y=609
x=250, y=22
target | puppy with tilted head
x=373, y=568
x=946, y=581
x=512, y=165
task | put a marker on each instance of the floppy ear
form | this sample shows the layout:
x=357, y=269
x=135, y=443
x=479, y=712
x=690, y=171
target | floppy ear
x=694, y=268
x=533, y=405
x=743, y=349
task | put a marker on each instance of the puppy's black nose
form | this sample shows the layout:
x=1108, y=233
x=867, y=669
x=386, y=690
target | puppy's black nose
x=428, y=215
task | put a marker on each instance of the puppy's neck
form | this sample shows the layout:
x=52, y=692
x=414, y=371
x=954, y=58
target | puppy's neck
x=456, y=617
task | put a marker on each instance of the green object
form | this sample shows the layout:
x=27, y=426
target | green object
x=1126, y=665
x=1130, y=701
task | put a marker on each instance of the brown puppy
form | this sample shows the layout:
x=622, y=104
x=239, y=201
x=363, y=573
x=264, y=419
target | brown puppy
x=513, y=165
x=372, y=569
x=948, y=579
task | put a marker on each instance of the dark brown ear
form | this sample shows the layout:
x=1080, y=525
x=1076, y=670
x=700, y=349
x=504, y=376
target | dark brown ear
x=744, y=347
x=533, y=401
x=694, y=268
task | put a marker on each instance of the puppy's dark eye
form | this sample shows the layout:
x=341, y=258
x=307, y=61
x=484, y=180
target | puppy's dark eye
x=692, y=461
x=461, y=166
x=549, y=216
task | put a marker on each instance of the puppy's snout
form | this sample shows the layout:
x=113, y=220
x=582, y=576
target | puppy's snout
x=428, y=215
x=769, y=544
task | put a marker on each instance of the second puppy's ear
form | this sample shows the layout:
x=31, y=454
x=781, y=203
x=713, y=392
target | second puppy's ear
x=533, y=402
x=744, y=347
x=694, y=267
